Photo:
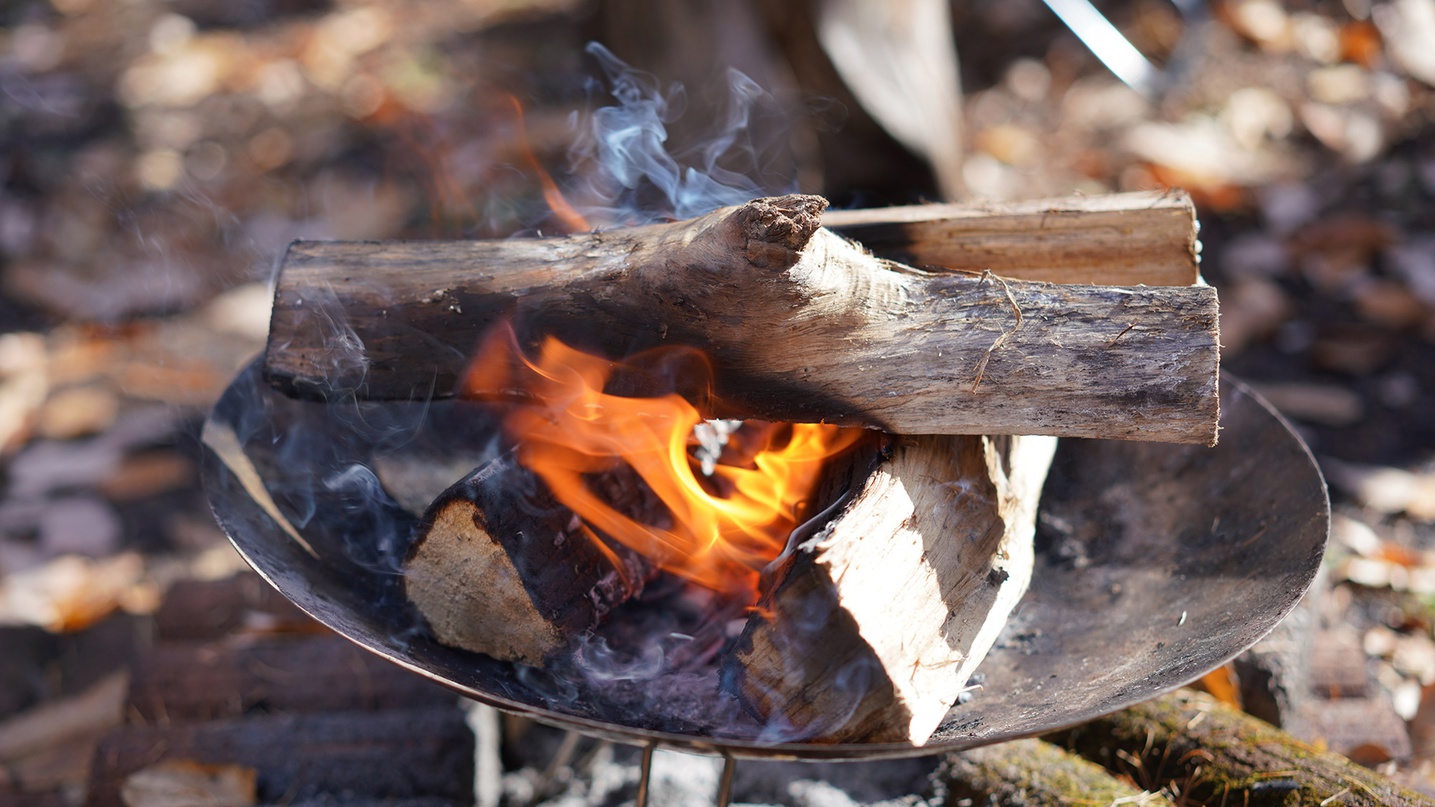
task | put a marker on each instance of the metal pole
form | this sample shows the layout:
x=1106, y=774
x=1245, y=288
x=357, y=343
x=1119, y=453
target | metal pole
x=1107, y=43
x=729, y=767
x=645, y=775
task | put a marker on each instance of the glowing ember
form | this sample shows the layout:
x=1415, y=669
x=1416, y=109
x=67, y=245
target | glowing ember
x=718, y=531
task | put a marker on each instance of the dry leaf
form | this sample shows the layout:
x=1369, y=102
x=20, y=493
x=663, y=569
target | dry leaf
x=23, y=385
x=187, y=783
x=70, y=592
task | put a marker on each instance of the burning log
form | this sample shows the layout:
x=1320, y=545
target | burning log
x=874, y=625
x=801, y=325
x=500, y=567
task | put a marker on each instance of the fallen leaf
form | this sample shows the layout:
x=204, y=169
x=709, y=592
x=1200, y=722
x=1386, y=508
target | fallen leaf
x=23, y=385
x=1385, y=489
x=1409, y=27
x=187, y=783
x=68, y=593
x=149, y=474
x=78, y=412
x=1360, y=43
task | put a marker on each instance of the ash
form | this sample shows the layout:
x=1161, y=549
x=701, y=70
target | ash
x=540, y=766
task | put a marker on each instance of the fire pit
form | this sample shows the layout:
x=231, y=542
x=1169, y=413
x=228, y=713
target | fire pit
x=1155, y=563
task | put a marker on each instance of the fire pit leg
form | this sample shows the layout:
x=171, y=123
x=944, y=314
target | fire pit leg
x=645, y=775
x=729, y=767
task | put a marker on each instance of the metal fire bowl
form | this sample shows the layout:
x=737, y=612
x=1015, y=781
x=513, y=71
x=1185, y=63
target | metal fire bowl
x=1155, y=563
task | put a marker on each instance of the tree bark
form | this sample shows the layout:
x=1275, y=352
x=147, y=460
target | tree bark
x=871, y=629
x=800, y=325
x=1035, y=774
x=1218, y=755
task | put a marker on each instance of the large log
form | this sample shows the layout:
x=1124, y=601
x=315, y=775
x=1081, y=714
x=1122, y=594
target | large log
x=1034, y=773
x=801, y=325
x=873, y=627
x=1216, y=754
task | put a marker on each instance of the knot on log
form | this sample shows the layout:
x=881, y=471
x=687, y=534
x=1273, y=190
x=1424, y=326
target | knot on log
x=775, y=228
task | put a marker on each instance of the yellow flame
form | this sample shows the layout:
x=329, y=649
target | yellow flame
x=717, y=531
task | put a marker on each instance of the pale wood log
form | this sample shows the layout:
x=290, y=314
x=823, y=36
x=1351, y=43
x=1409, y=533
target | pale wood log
x=500, y=567
x=1122, y=239
x=1034, y=773
x=801, y=325
x=1219, y=755
x=872, y=628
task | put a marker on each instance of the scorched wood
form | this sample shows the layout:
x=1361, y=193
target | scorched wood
x=801, y=325
x=499, y=567
x=874, y=625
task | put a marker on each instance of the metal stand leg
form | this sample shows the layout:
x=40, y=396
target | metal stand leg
x=645, y=775
x=729, y=767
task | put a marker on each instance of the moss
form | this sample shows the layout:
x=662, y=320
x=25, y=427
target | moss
x=1211, y=753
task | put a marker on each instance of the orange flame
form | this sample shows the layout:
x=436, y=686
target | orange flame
x=717, y=531
x=565, y=212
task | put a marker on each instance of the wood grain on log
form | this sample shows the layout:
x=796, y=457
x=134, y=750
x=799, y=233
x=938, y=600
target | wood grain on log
x=801, y=325
x=874, y=625
x=1216, y=754
x=500, y=567
x=1124, y=239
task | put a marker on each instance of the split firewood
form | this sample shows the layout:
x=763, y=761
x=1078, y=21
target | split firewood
x=801, y=325
x=1120, y=239
x=499, y=567
x=873, y=626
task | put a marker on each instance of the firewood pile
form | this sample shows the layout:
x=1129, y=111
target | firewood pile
x=162, y=155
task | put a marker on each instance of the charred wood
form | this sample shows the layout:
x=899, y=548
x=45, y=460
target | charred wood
x=500, y=567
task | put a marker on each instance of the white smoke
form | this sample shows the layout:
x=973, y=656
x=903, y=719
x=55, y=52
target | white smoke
x=638, y=176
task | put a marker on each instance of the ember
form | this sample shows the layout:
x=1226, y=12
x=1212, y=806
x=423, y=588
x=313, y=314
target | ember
x=719, y=530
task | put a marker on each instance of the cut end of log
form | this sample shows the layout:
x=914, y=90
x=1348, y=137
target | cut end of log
x=498, y=567
x=466, y=585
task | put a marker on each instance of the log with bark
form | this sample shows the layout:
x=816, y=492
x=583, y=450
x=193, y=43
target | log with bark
x=873, y=626
x=1215, y=754
x=1034, y=773
x=800, y=324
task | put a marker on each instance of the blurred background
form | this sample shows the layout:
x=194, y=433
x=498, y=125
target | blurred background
x=156, y=156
